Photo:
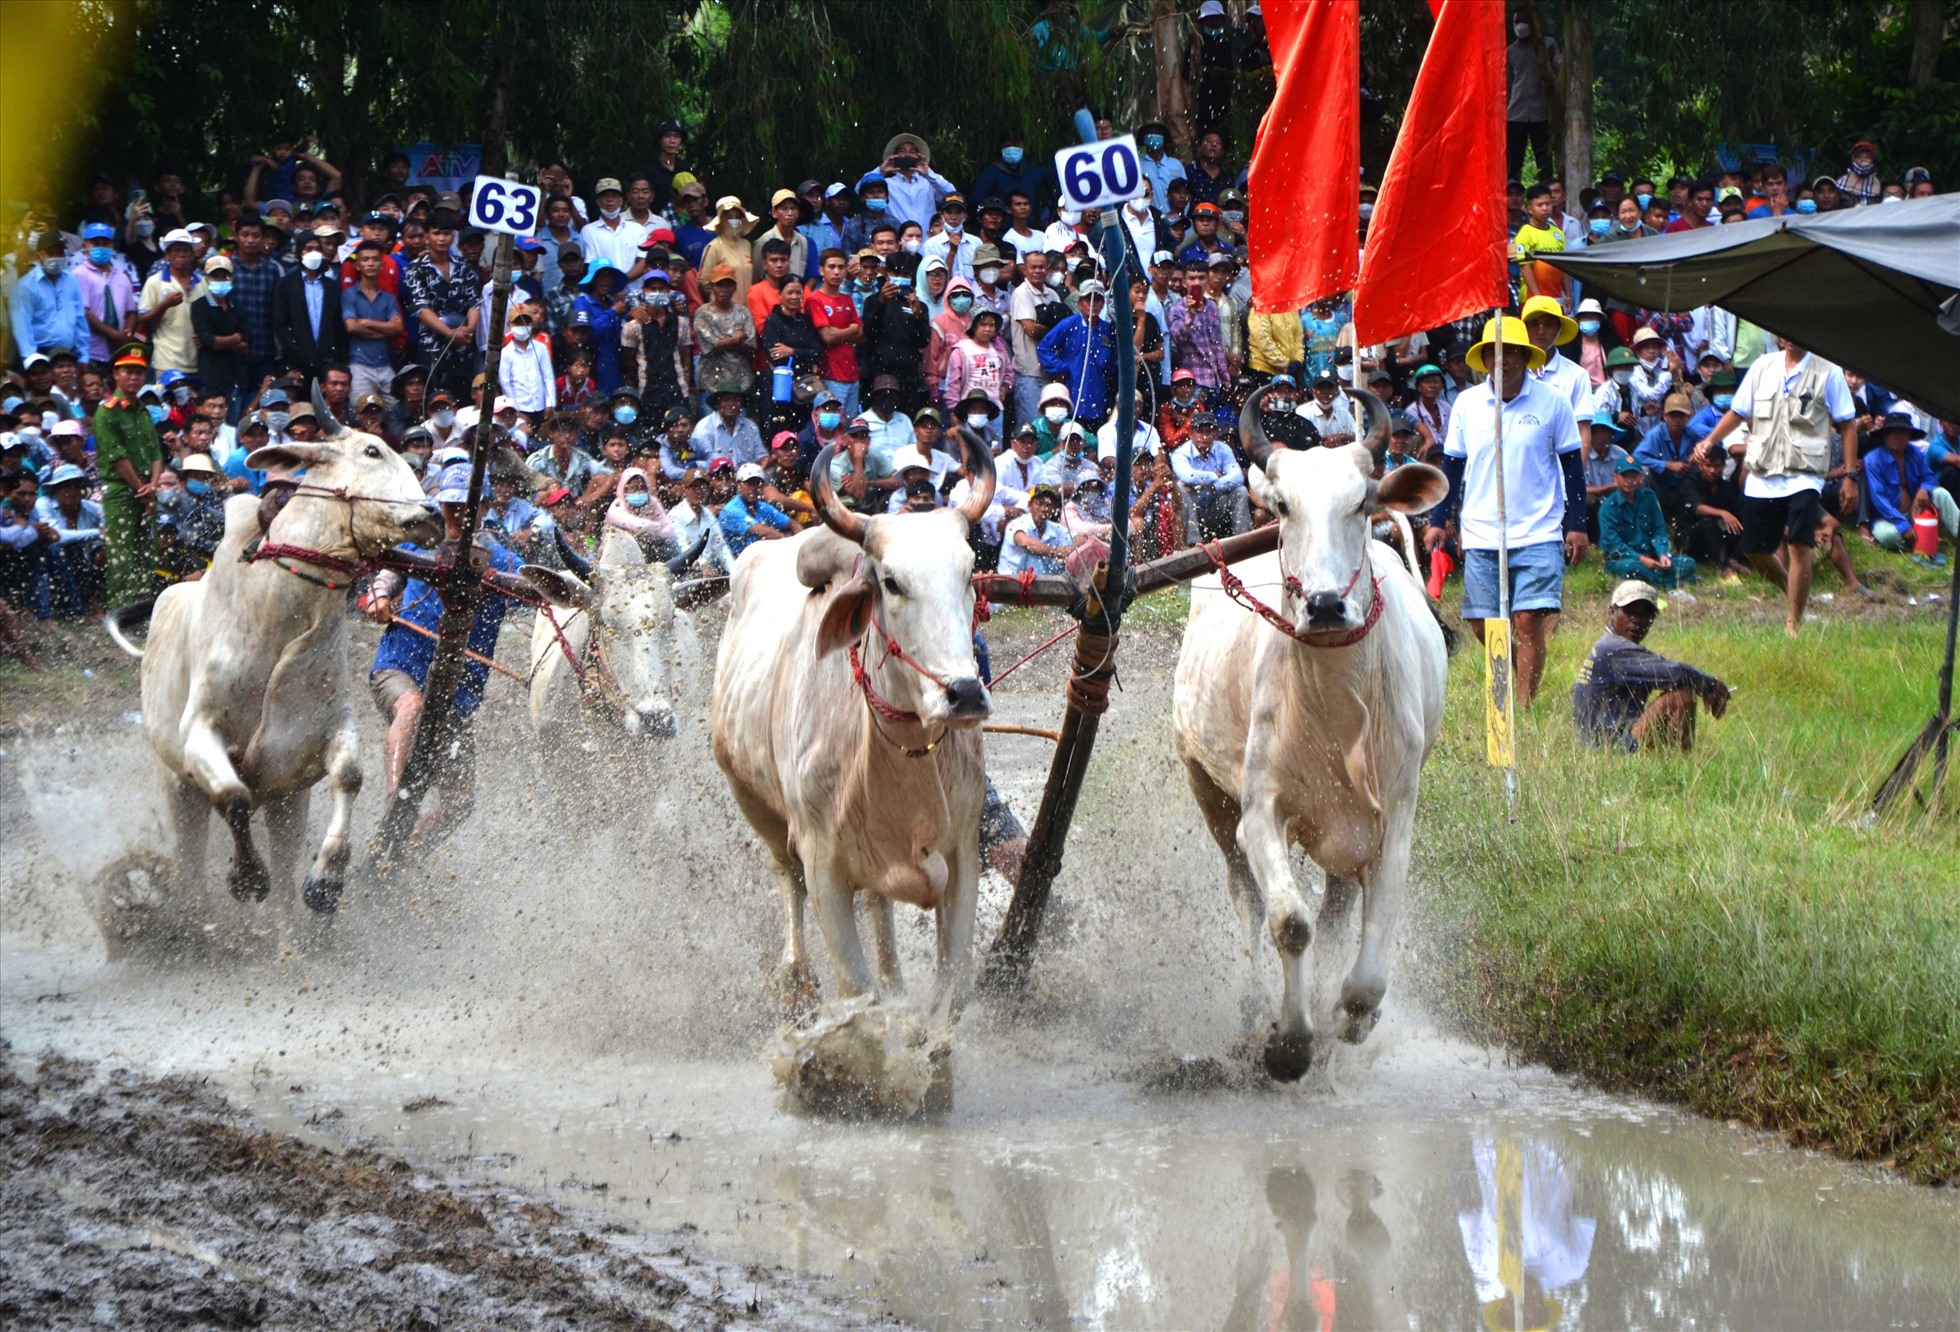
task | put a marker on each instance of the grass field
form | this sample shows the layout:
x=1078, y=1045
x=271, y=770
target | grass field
x=1726, y=928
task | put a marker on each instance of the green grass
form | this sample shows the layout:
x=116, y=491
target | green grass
x=1724, y=928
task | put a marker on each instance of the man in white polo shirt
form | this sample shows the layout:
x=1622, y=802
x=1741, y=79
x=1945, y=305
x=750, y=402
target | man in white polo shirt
x=1793, y=404
x=1544, y=497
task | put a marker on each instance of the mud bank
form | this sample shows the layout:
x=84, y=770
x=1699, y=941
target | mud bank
x=130, y=1201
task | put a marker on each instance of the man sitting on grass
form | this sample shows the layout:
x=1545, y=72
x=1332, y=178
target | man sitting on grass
x=1633, y=534
x=1610, y=703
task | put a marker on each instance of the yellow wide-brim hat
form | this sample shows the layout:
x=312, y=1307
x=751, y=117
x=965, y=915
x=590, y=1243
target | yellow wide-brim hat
x=1548, y=305
x=1514, y=336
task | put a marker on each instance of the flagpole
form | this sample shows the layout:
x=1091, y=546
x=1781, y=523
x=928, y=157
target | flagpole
x=1506, y=704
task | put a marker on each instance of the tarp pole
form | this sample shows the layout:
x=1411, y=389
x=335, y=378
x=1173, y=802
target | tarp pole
x=1101, y=614
x=462, y=596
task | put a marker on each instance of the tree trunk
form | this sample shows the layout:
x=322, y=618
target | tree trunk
x=1167, y=45
x=1549, y=79
x=1577, y=76
x=1928, y=26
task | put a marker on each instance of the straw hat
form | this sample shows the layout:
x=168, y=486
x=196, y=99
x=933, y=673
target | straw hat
x=1548, y=305
x=1514, y=336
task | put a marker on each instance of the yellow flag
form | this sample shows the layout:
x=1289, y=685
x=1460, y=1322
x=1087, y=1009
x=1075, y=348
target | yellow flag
x=1499, y=693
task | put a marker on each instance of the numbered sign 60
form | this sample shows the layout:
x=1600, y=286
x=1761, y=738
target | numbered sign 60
x=497, y=204
x=1101, y=174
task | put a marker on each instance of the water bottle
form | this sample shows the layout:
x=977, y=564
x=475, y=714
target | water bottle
x=781, y=381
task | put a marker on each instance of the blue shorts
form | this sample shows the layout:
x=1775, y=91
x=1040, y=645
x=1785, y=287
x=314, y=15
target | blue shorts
x=1537, y=580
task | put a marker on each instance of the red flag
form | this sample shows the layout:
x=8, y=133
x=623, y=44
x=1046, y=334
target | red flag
x=1304, y=193
x=1436, y=240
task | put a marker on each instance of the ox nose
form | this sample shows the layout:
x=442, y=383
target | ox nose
x=967, y=697
x=1326, y=608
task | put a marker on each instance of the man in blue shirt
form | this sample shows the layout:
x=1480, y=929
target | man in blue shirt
x=827, y=231
x=748, y=518
x=47, y=309
x=401, y=662
x=1082, y=350
x=1899, y=481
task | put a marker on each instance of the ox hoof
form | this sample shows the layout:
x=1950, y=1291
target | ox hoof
x=1353, y=1025
x=796, y=987
x=1288, y=1058
x=249, y=882
x=322, y=894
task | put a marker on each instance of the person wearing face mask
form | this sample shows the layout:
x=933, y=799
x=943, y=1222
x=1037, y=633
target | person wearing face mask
x=1014, y=168
x=219, y=327
x=613, y=236
x=306, y=316
x=953, y=244
x=948, y=327
x=989, y=276
x=729, y=248
x=108, y=293
x=47, y=306
x=1527, y=114
x=1596, y=339
x=441, y=422
x=524, y=370
x=979, y=377
x=1860, y=184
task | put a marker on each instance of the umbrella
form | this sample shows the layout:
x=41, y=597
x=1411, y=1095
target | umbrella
x=1861, y=286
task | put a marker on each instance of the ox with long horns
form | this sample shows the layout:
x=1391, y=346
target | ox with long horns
x=247, y=700
x=1308, y=723
x=847, y=708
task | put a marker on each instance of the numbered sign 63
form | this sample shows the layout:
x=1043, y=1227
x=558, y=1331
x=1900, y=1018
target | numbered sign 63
x=1101, y=174
x=497, y=204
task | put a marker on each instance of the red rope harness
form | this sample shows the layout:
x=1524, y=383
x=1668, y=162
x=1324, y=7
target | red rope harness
x=320, y=559
x=882, y=706
x=1238, y=592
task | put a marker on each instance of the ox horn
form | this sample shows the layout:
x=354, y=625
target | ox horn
x=980, y=481
x=1373, y=424
x=574, y=561
x=1252, y=431
x=679, y=564
x=330, y=425
x=836, y=517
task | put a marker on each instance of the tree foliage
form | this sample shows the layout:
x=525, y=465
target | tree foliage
x=774, y=90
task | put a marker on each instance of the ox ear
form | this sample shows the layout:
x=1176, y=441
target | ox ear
x=1412, y=488
x=290, y=457
x=566, y=591
x=846, y=617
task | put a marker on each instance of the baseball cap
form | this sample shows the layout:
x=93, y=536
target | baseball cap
x=450, y=453
x=197, y=462
x=556, y=495
x=856, y=424
x=218, y=263
x=98, y=231
x=178, y=236
x=607, y=183
x=782, y=439
x=1635, y=590
x=693, y=475
x=1221, y=259
x=454, y=485
x=835, y=188
x=1628, y=467
x=1089, y=289
x=374, y=400
x=1677, y=402
x=720, y=465
x=1327, y=379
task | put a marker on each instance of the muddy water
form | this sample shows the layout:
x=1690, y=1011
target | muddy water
x=572, y=998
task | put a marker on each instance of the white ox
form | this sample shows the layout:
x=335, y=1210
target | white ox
x=874, y=788
x=247, y=700
x=1316, y=736
x=643, y=647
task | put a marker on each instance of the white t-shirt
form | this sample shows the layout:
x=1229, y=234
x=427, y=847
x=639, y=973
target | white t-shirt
x=1147, y=440
x=618, y=246
x=1021, y=305
x=1769, y=374
x=1538, y=426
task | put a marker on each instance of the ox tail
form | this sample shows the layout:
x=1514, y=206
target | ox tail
x=119, y=621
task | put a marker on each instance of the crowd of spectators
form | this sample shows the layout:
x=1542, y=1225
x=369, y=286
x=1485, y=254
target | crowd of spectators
x=659, y=326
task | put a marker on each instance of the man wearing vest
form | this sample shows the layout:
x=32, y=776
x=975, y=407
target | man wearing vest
x=1792, y=404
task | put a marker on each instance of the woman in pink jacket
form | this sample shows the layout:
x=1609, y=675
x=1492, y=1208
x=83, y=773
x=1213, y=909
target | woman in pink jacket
x=979, y=364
